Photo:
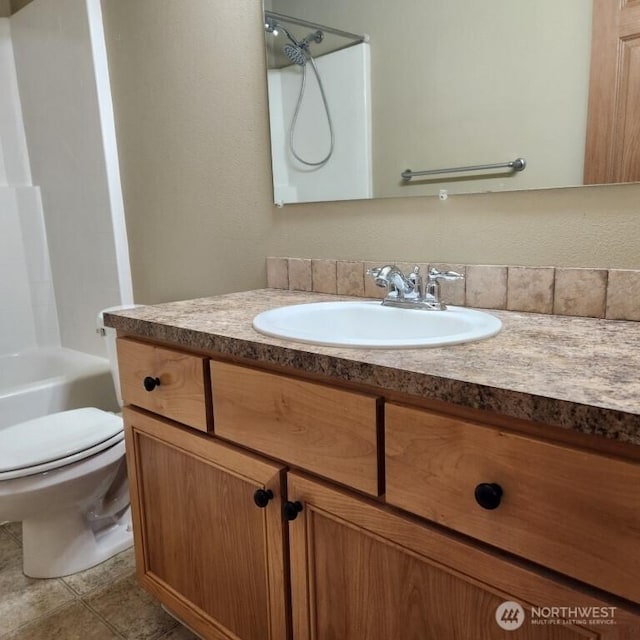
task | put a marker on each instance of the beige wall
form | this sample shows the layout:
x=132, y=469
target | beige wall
x=191, y=114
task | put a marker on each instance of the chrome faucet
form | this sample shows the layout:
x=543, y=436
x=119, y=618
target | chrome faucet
x=399, y=286
x=407, y=290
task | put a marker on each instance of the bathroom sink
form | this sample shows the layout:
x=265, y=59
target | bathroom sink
x=370, y=325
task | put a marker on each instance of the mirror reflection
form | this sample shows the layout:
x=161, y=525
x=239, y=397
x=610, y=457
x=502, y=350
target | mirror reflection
x=361, y=91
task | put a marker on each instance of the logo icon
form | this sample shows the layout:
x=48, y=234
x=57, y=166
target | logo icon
x=510, y=615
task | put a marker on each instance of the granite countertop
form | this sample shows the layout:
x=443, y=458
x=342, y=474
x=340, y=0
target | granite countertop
x=577, y=373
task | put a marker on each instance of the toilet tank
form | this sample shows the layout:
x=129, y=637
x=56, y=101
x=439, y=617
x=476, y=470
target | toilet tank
x=109, y=336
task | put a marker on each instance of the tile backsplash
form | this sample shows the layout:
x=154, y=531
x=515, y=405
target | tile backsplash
x=596, y=293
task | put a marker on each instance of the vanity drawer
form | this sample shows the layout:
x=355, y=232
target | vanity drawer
x=180, y=394
x=560, y=506
x=328, y=431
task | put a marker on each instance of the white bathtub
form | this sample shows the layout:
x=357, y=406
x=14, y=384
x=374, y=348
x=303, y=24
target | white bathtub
x=36, y=382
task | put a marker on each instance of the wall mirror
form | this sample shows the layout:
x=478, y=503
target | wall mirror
x=362, y=90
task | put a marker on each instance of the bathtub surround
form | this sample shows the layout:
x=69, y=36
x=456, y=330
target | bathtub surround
x=34, y=239
x=28, y=314
x=594, y=293
x=14, y=159
x=65, y=104
x=17, y=329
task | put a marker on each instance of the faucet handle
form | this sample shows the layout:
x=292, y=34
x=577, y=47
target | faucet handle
x=432, y=290
x=415, y=277
x=435, y=275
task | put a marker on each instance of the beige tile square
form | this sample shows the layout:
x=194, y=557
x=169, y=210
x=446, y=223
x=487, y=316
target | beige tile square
x=277, y=273
x=623, y=294
x=14, y=529
x=486, y=286
x=9, y=546
x=106, y=572
x=580, y=292
x=350, y=278
x=452, y=292
x=72, y=622
x=300, y=274
x=371, y=289
x=530, y=289
x=323, y=276
x=130, y=610
x=23, y=599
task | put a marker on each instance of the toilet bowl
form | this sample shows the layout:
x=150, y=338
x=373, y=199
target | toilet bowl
x=64, y=477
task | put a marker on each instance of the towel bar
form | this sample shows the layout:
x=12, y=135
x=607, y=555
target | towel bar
x=518, y=164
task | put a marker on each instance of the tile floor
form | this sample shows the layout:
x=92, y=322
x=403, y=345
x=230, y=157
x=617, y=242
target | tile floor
x=103, y=603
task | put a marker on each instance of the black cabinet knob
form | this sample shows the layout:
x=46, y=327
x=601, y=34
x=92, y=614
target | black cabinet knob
x=151, y=383
x=262, y=496
x=291, y=510
x=488, y=495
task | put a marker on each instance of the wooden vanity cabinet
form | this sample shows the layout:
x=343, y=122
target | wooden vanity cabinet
x=369, y=559
x=359, y=570
x=203, y=546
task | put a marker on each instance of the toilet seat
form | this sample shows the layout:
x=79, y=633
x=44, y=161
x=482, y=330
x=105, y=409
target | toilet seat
x=56, y=440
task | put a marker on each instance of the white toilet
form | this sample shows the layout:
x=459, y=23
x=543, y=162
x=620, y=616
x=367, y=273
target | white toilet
x=64, y=476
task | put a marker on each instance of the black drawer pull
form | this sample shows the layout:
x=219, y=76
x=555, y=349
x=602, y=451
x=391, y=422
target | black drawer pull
x=291, y=510
x=262, y=496
x=151, y=383
x=488, y=495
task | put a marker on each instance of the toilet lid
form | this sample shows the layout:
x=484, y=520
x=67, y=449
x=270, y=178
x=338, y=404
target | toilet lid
x=60, y=438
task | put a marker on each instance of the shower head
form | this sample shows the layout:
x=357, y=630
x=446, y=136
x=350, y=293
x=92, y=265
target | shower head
x=295, y=53
x=298, y=52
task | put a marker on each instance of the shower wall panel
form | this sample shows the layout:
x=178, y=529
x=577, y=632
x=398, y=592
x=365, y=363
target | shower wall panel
x=28, y=311
x=14, y=160
x=17, y=329
x=60, y=104
x=347, y=174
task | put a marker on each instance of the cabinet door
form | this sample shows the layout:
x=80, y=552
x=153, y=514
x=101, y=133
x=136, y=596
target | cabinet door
x=362, y=572
x=203, y=546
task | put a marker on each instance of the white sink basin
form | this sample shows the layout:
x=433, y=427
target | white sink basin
x=373, y=326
